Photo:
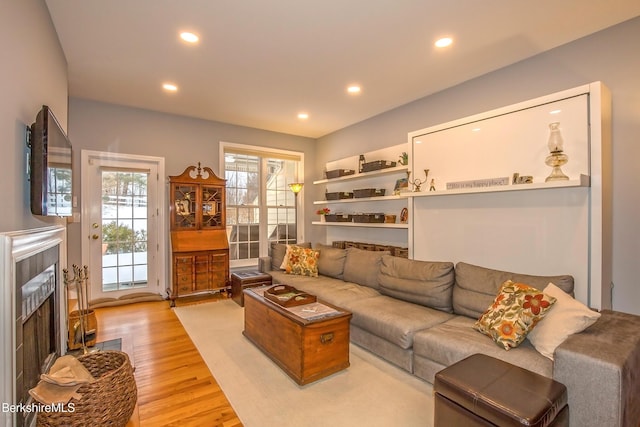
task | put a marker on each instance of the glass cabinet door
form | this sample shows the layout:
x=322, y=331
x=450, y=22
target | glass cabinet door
x=184, y=206
x=212, y=207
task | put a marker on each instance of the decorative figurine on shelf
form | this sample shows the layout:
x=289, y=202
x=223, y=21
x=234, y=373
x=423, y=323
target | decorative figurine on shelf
x=361, y=163
x=417, y=182
x=404, y=215
x=432, y=185
x=556, y=158
x=404, y=159
x=522, y=179
x=402, y=184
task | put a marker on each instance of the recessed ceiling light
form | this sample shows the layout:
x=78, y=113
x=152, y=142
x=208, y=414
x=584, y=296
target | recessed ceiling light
x=303, y=116
x=189, y=37
x=444, y=42
x=170, y=87
x=353, y=89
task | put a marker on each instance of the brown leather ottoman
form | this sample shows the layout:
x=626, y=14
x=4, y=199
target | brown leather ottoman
x=483, y=391
x=247, y=279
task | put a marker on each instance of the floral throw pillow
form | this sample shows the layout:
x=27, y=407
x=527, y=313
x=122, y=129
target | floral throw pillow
x=302, y=261
x=514, y=312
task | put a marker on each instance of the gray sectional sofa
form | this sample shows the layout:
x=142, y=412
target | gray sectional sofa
x=418, y=315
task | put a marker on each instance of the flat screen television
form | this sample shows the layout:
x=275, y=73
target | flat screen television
x=51, y=174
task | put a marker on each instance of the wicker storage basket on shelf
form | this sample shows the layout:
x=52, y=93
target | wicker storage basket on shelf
x=109, y=401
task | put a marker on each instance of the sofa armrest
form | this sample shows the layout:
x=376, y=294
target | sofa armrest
x=601, y=369
x=264, y=264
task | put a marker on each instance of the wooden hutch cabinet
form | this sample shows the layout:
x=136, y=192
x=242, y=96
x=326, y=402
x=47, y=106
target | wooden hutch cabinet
x=199, y=245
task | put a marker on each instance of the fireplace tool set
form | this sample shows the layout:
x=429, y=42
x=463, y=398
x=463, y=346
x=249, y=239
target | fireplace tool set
x=82, y=323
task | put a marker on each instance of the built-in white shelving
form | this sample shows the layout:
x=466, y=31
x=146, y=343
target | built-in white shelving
x=362, y=224
x=510, y=227
x=583, y=181
x=363, y=175
x=363, y=199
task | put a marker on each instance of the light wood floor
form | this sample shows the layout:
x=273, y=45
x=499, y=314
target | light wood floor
x=175, y=387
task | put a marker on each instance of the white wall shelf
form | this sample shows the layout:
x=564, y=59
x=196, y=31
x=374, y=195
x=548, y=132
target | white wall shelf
x=363, y=175
x=584, y=181
x=361, y=224
x=362, y=199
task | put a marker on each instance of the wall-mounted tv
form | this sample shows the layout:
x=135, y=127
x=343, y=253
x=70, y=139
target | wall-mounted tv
x=50, y=167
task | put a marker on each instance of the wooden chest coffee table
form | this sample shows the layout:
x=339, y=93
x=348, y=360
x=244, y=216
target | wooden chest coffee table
x=306, y=350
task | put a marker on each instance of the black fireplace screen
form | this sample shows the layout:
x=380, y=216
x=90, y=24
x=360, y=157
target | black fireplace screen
x=37, y=328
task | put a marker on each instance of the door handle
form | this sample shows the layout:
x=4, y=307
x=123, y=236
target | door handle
x=95, y=225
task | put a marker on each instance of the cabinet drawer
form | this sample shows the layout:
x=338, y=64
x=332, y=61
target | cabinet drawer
x=184, y=268
x=180, y=260
x=184, y=283
x=219, y=258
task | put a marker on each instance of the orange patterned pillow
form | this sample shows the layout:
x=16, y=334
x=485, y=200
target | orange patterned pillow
x=302, y=261
x=514, y=312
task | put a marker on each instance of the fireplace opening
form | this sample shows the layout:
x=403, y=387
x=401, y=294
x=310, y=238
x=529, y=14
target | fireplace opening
x=37, y=323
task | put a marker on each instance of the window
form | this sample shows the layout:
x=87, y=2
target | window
x=261, y=208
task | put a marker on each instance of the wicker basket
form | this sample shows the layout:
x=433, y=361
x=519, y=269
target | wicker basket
x=339, y=195
x=109, y=401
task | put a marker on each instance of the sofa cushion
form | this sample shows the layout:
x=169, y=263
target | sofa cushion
x=278, y=251
x=362, y=266
x=455, y=339
x=394, y=320
x=331, y=261
x=421, y=282
x=476, y=287
x=567, y=317
x=515, y=311
x=333, y=291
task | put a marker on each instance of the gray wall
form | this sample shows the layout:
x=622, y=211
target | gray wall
x=33, y=73
x=611, y=56
x=182, y=141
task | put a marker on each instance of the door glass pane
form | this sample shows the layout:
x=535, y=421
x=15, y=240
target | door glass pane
x=124, y=230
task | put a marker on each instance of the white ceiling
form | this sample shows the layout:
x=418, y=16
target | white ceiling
x=261, y=62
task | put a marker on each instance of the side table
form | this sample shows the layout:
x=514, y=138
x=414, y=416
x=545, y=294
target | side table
x=247, y=279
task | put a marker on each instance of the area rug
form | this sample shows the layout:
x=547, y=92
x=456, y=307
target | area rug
x=371, y=392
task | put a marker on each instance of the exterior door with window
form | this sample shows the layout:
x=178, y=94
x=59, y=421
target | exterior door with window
x=122, y=224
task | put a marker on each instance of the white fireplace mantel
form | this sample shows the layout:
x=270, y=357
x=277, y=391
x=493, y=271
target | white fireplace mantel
x=14, y=247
